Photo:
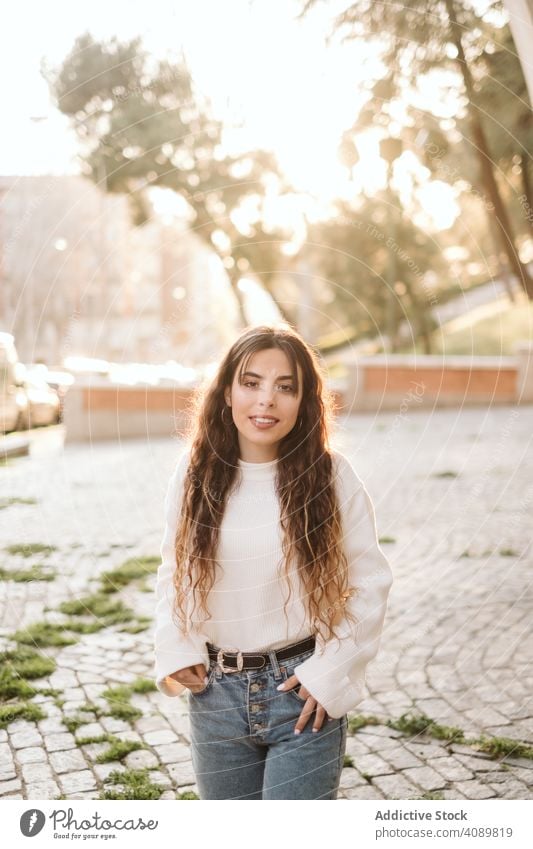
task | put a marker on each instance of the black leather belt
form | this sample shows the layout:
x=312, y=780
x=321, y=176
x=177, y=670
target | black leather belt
x=236, y=661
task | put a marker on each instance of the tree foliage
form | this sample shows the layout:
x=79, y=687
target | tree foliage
x=141, y=122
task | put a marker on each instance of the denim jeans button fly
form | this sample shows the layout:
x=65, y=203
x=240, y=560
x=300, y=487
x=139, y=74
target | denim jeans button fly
x=243, y=742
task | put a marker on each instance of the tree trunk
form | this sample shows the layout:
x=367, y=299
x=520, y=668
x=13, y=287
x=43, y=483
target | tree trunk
x=526, y=187
x=234, y=276
x=501, y=256
x=487, y=172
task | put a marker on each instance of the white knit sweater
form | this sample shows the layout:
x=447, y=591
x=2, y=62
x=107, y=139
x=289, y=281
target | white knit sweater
x=246, y=602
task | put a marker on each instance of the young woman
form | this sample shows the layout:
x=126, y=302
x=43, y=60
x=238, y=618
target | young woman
x=273, y=589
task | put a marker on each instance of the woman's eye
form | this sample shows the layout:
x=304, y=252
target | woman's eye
x=285, y=386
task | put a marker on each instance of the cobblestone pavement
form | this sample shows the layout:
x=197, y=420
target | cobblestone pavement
x=453, y=491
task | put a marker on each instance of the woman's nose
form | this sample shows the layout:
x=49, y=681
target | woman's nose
x=267, y=396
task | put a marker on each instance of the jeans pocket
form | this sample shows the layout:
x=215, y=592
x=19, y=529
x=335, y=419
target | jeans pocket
x=289, y=667
x=210, y=678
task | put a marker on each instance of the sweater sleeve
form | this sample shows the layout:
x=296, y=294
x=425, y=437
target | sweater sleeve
x=173, y=650
x=335, y=673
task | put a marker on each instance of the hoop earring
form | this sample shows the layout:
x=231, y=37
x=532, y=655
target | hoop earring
x=224, y=408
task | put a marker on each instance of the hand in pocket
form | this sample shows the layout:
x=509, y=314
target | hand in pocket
x=192, y=677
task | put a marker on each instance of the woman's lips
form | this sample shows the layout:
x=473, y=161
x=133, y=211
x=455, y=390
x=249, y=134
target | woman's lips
x=263, y=425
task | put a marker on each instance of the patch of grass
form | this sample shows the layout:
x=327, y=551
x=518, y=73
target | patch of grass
x=43, y=634
x=20, y=710
x=135, y=784
x=446, y=474
x=118, y=699
x=386, y=540
x=498, y=746
x=89, y=707
x=72, y=723
x=130, y=570
x=25, y=575
x=508, y=552
x=143, y=685
x=28, y=549
x=75, y=720
x=12, y=687
x=142, y=624
x=118, y=750
x=7, y=502
x=420, y=723
x=366, y=776
x=27, y=663
x=433, y=795
x=83, y=627
x=348, y=761
x=188, y=794
x=98, y=605
x=99, y=738
x=18, y=666
x=359, y=721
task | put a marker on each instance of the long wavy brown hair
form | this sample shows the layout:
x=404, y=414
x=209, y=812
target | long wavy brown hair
x=309, y=510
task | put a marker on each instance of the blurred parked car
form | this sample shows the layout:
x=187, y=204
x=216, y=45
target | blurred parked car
x=14, y=406
x=43, y=401
x=58, y=380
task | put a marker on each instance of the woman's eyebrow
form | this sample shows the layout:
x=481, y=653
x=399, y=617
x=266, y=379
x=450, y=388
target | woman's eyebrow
x=253, y=374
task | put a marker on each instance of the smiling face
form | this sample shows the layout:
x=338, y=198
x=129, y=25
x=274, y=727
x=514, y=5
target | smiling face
x=265, y=405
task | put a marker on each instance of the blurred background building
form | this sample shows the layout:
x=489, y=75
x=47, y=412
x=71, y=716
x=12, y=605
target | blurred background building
x=77, y=279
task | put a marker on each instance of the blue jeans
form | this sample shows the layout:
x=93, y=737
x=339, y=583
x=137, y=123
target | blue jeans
x=243, y=741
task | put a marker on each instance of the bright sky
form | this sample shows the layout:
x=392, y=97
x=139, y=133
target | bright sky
x=256, y=63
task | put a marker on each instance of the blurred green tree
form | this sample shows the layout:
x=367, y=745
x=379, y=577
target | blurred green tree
x=417, y=38
x=140, y=123
x=352, y=253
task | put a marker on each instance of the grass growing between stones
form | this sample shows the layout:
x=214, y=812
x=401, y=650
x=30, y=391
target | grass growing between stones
x=143, y=685
x=348, y=761
x=132, y=784
x=105, y=611
x=35, y=573
x=20, y=710
x=118, y=749
x=110, y=611
x=26, y=663
x=414, y=724
x=142, y=624
x=497, y=746
x=188, y=794
x=42, y=634
x=131, y=570
x=420, y=723
x=118, y=699
x=7, y=502
x=28, y=549
x=359, y=721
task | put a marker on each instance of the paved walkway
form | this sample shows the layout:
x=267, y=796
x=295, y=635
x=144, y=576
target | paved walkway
x=453, y=492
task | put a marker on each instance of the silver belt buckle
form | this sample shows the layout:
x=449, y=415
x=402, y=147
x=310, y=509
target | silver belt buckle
x=220, y=661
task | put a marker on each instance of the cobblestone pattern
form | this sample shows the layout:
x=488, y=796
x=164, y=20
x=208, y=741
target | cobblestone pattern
x=453, y=492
